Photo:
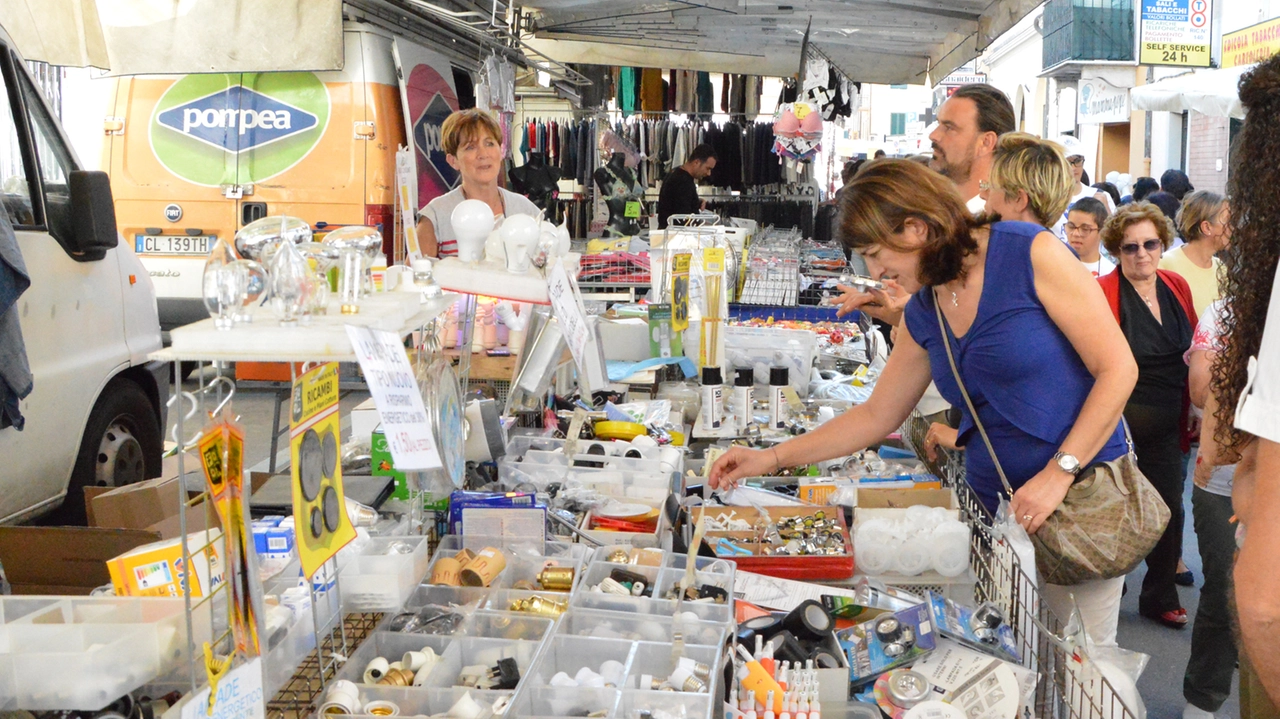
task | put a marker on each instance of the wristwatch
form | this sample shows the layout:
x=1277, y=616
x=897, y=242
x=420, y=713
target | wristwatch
x=1067, y=463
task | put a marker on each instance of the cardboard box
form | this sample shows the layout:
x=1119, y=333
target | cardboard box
x=64, y=560
x=156, y=569
x=384, y=465
x=869, y=498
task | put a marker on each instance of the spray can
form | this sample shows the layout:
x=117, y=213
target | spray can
x=712, y=398
x=777, y=402
x=742, y=385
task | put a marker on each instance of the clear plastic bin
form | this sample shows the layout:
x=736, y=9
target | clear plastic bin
x=442, y=595
x=379, y=578
x=655, y=660
x=525, y=568
x=467, y=651
x=111, y=645
x=680, y=704
x=507, y=625
x=599, y=571
x=392, y=647
x=419, y=701
x=546, y=701
x=571, y=654
x=652, y=628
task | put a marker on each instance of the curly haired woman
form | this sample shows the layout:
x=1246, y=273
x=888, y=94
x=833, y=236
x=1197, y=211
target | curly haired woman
x=1248, y=370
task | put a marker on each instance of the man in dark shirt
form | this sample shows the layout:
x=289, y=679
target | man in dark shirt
x=679, y=195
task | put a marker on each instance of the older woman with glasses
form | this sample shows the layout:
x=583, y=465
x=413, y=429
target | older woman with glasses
x=1155, y=312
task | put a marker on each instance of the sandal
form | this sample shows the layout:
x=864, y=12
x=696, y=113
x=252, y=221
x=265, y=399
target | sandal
x=1174, y=618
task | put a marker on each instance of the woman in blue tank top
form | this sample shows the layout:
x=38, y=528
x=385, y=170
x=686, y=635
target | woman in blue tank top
x=1045, y=363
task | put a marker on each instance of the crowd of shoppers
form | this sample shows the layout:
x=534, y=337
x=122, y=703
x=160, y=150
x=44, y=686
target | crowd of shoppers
x=1187, y=278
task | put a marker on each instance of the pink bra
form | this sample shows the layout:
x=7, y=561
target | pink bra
x=786, y=125
x=811, y=126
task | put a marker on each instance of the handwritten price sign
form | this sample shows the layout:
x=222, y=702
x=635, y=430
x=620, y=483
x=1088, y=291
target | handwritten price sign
x=395, y=391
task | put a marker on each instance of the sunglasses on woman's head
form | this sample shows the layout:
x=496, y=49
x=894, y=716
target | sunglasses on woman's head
x=1149, y=246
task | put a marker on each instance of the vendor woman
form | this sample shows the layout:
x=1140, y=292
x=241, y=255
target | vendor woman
x=1036, y=345
x=472, y=142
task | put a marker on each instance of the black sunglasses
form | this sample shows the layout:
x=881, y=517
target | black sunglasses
x=1149, y=246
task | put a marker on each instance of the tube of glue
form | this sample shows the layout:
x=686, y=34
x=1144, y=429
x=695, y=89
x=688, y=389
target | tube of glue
x=758, y=681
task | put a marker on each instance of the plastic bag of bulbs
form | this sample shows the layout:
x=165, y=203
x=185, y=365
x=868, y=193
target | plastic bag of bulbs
x=923, y=538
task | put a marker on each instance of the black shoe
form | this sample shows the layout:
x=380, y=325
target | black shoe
x=1184, y=579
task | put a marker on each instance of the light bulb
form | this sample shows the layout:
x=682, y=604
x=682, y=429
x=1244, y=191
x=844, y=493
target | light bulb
x=321, y=258
x=223, y=285
x=472, y=222
x=291, y=284
x=257, y=240
x=519, y=233
x=356, y=245
x=256, y=284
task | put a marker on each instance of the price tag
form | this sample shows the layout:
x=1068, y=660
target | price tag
x=394, y=387
x=632, y=210
x=567, y=306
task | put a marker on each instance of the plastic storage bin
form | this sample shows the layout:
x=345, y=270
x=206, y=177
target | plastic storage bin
x=383, y=573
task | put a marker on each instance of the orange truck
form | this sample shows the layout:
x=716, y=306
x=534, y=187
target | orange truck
x=193, y=158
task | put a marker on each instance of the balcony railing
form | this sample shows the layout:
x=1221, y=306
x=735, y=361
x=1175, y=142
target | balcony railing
x=1087, y=30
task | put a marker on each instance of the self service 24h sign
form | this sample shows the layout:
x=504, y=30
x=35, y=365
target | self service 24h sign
x=231, y=129
x=1175, y=32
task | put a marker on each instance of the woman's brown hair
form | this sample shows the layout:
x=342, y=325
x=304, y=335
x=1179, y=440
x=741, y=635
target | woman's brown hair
x=1128, y=216
x=886, y=193
x=1254, y=251
x=463, y=126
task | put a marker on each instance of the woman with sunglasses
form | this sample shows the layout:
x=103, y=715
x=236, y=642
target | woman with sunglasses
x=1155, y=312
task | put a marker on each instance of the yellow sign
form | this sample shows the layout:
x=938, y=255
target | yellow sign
x=1175, y=32
x=1252, y=44
x=680, y=291
x=320, y=521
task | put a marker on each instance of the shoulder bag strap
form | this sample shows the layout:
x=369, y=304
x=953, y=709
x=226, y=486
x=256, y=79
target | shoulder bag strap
x=955, y=372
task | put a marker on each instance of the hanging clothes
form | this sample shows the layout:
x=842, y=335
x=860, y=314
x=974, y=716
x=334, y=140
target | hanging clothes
x=628, y=90
x=686, y=92
x=706, y=96
x=672, y=89
x=751, y=94
x=652, y=96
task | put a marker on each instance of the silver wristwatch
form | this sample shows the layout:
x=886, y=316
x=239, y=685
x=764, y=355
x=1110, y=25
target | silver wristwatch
x=1067, y=463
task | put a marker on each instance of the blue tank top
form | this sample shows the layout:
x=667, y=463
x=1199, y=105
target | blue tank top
x=1024, y=377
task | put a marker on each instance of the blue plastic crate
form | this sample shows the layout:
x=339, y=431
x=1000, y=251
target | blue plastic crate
x=803, y=313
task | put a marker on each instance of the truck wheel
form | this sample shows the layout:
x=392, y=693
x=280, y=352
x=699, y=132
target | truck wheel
x=123, y=430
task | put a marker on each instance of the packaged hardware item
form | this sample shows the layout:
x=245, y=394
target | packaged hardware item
x=984, y=628
x=157, y=570
x=887, y=642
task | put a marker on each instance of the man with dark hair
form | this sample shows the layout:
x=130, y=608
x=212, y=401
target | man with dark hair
x=679, y=194
x=1143, y=187
x=879, y=154
x=1176, y=183
x=969, y=123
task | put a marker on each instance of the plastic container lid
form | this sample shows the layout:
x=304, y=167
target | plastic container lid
x=746, y=378
x=711, y=376
x=778, y=376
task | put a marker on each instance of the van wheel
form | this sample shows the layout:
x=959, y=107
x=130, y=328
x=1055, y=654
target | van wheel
x=122, y=432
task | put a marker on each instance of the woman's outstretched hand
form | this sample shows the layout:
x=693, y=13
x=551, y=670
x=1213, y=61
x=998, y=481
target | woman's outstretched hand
x=741, y=462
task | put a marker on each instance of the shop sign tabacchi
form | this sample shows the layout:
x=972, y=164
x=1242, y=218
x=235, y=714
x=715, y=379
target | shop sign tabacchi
x=1102, y=102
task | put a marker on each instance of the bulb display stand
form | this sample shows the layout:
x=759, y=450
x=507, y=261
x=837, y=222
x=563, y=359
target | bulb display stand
x=318, y=338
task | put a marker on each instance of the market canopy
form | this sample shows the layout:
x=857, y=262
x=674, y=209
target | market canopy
x=1208, y=92
x=882, y=41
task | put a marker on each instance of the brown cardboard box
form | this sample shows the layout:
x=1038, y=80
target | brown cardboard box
x=64, y=560
x=870, y=498
x=139, y=505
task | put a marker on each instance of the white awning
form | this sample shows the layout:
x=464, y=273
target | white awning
x=1208, y=92
x=59, y=32
x=882, y=41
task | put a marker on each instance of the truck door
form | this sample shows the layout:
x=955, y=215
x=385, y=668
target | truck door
x=300, y=153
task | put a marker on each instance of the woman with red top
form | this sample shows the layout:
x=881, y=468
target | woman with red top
x=1155, y=312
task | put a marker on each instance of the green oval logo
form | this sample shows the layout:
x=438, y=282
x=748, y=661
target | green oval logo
x=236, y=129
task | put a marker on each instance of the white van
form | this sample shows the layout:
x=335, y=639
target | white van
x=96, y=411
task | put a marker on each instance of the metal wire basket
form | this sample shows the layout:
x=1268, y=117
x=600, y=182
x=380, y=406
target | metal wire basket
x=1066, y=688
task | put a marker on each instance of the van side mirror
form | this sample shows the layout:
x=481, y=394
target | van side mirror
x=93, y=215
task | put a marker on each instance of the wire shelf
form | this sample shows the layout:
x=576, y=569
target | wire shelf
x=1066, y=688
x=298, y=698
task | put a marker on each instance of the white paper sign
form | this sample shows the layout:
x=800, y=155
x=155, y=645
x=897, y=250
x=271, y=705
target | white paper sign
x=239, y=696
x=395, y=391
x=567, y=307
